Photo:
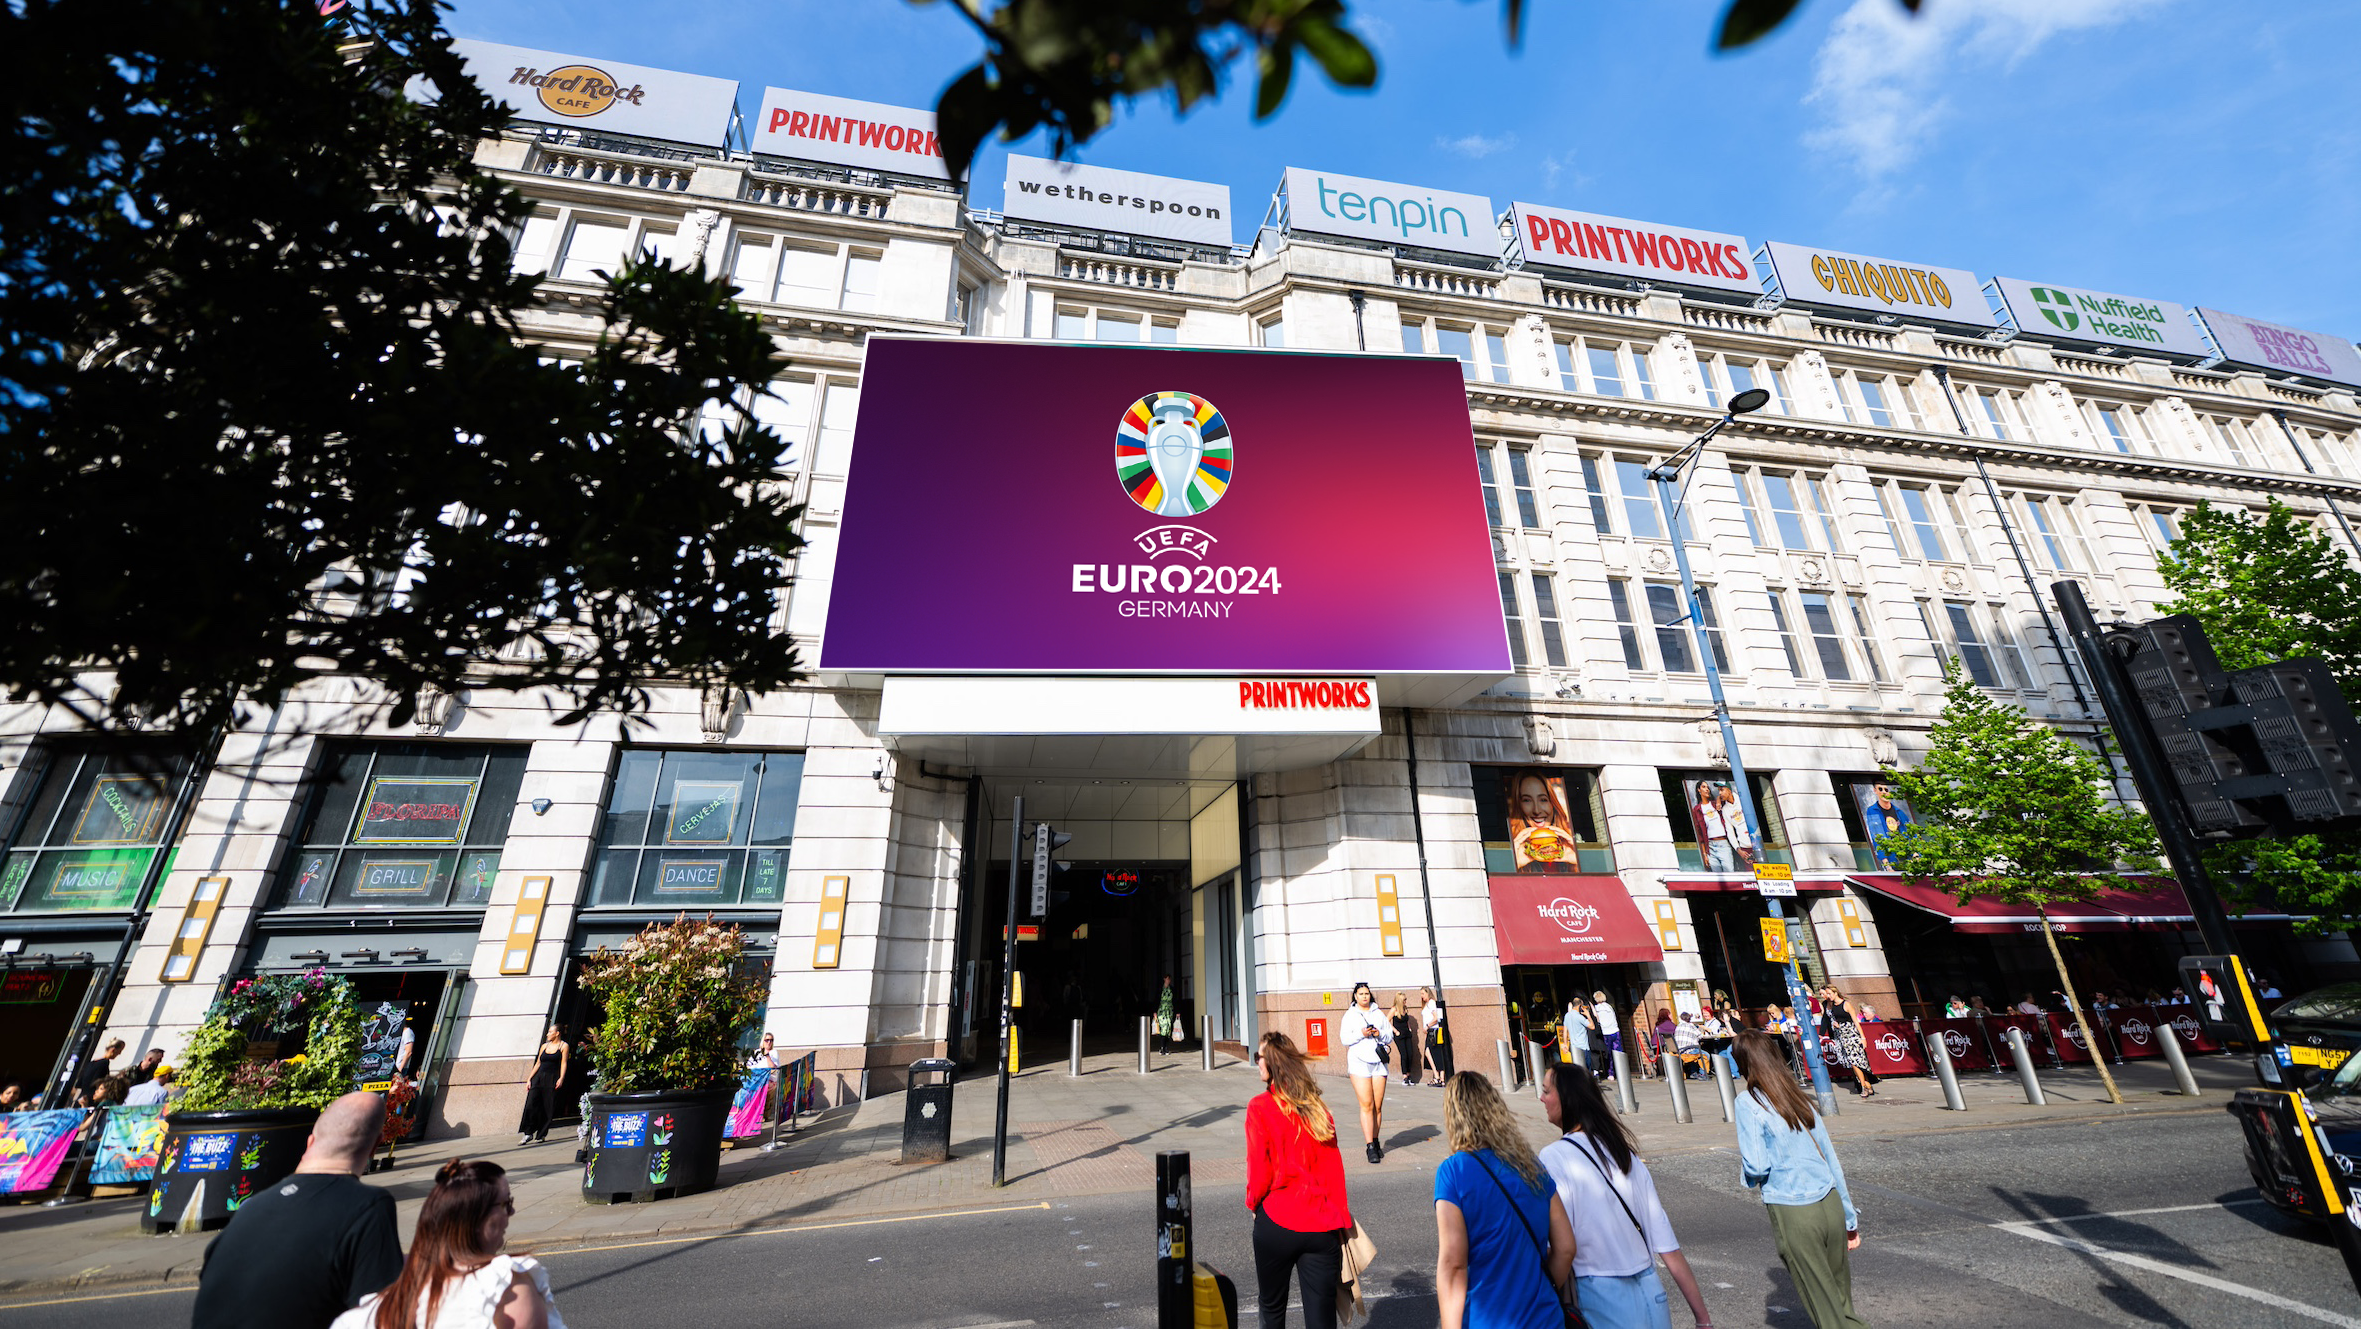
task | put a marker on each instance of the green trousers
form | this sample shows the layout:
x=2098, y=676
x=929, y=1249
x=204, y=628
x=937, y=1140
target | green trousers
x=1811, y=1239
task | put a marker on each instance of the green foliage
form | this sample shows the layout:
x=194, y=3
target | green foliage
x=2267, y=588
x=675, y=1001
x=2009, y=808
x=215, y=1073
x=269, y=418
x=2318, y=875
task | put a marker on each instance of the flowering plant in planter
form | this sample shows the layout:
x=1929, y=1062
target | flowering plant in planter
x=216, y=1074
x=675, y=1000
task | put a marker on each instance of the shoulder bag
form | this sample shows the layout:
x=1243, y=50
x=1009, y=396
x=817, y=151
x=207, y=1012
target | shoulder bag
x=1583, y=1147
x=1568, y=1305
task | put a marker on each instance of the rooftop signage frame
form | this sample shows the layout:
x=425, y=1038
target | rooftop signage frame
x=1101, y=198
x=1834, y=279
x=868, y=136
x=1325, y=203
x=608, y=96
x=2070, y=313
x=1589, y=244
x=2275, y=349
x=1159, y=510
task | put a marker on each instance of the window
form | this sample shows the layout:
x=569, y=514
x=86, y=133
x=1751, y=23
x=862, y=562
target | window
x=1746, y=508
x=1165, y=331
x=1073, y=325
x=1274, y=332
x=2051, y=529
x=1545, y=604
x=1118, y=327
x=403, y=826
x=1827, y=642
x=1936, y=529
x=837, y=410
x=93, y=823
x=1516, y=621
x=2004, y=643
x=696, y=828
x=1974, y=655
x=1875, y=399
x=1606, y=371
x=1520, y=475
x=860, y=282
x=807, y=276
x=1799, y=512
x=1639, y=508
x=593, y=245
x=1414, y=339
x=1458, y=342
x=2162, y=526
x=786, y=408
x=2118, y=424
x=1864, y=636
x=1713, y=629
x=1739, y=374
x=2236, y=442
x=967, y=309
x=1496, y=352
x=534, y=242
x=1490, y=485
x=1786, y=635
x=1605, y=368
x=1596, y=490
x=1619, y=597
x=1511, y=798
x=1997, y=414
x=1918, y=505
x=1672, y=631
x=1702, y=807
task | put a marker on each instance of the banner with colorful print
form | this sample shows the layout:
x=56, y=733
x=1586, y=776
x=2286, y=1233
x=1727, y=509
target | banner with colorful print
x=32, y=1145
x=748, y=1109
x=803, y=1084
x=128, y=1144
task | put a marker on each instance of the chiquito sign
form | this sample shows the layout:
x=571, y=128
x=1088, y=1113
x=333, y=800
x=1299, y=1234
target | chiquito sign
x=1265, y=512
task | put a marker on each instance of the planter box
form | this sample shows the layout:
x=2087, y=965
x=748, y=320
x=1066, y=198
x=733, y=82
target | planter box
x=654, y=1145
x=212, y=1161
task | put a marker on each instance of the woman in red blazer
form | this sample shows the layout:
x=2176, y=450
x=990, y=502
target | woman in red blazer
x=1295, y=1186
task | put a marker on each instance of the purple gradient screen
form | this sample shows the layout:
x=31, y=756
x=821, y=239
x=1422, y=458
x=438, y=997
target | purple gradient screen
x=983, y=473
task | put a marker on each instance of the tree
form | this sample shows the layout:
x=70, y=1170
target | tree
x=1062, y=65
x=268, y=413
x=2266, y=589
x=2012, y=809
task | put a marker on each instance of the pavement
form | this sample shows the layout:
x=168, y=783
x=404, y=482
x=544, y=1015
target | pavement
x=1073, y=1141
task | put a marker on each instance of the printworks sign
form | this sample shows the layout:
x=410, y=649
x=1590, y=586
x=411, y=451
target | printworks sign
x=872, y=136
x=549, y=87
x=1855, y=281
x=1240, y=529
x=2069, y=313
x=2274, y=349
x=1127, y=202
x=1586, y=242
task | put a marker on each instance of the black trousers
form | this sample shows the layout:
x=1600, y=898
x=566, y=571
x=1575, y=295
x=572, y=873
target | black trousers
x=1315, y=1258
x=1440, y=1059
x=540, y=1106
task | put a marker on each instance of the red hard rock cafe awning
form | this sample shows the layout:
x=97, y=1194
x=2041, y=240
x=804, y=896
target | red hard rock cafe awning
x=2138, y=904
x=1569, y=920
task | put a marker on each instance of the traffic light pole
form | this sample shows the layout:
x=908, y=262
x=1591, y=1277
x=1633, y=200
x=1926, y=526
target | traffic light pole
x=1798, y=999
x=1008, y=969
x=2148, y=771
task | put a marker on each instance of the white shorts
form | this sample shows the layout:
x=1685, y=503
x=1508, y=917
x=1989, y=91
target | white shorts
x=1367, y=1070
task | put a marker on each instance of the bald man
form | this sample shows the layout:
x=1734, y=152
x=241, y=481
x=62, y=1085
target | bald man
x=309, y=1248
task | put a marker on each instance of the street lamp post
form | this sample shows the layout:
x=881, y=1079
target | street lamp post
x=1666, y=476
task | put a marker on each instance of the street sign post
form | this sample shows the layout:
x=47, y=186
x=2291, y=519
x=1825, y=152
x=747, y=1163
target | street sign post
x=1774, y=941
x=1775, y=879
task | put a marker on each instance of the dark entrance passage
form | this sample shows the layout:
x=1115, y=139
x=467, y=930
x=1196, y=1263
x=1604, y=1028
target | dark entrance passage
x=1114, y=929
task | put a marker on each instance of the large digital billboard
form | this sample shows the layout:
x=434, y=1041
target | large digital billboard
x=1025, y=507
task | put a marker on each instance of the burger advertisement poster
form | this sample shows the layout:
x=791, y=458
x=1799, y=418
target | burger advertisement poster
x=1540, y=822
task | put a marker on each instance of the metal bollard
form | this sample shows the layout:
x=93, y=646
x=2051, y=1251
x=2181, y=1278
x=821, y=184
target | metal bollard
x=2178, y=1060
x=1939, y=1056
x=1143, y=1045
x=1074, y=1052
x=1725, y=1086
x=1534, y=1061
x=1205, y=1043
x=1627, y=1099
x=1508, y=1063
x=1175, y=1290
x=2025, y=1072
x=1677, y=1080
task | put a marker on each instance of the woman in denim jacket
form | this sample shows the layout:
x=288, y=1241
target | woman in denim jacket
x=1784, y=1149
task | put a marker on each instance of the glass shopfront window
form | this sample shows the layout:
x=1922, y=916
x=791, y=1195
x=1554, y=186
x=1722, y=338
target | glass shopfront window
x=696, y=827
x=92, y=823
x=404, y=826
x=1541, y=819
x=1709, y=828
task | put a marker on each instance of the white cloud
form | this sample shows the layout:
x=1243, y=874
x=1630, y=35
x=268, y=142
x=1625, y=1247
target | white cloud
x=1476, y=146
x=1880, y=79
x=1555, y=166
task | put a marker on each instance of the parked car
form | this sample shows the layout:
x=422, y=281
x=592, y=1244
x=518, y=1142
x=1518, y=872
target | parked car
x=2322, y=1027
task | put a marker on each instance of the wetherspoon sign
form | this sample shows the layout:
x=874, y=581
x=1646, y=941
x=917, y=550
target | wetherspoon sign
x=1587, y=242
x=1126, y=202
x=549, y=87
x=2270, y=347
x=1856, y=281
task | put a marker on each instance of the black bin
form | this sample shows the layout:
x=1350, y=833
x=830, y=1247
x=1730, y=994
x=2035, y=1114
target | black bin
x=926, y=1112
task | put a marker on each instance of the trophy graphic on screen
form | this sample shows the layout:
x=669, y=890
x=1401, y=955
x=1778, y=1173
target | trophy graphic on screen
x=1175, y=447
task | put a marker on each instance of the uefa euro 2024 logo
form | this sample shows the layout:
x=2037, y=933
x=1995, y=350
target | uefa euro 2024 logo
x=1173, y=454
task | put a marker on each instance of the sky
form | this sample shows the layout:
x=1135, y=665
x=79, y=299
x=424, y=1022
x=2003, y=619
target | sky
x=2169, y=149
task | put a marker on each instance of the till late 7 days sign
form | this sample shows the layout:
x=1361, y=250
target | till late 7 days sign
x=1033, y=508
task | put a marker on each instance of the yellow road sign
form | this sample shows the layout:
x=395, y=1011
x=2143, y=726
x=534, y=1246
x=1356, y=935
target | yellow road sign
x=1775, y=940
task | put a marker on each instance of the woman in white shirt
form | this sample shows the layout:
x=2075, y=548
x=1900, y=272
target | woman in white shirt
x=456, y=1276
x=1367, y=1034
x=1619, y=1224
x=1430, y=1026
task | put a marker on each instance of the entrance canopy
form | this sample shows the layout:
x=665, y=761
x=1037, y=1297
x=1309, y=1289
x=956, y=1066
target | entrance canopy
x=2138, y=904
x=1549, y=920
x=1746, y=883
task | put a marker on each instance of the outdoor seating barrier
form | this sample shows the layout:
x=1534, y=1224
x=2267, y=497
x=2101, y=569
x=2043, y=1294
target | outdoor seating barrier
x=1939, y=1055
x=2026, y=1075
x=1677, y=1080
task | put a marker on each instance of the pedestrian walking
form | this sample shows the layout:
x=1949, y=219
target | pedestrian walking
x=1504, y=1247
x=1162, y=1027
x=1579, y=1031
x=1850, y=1051
x=1368, y=1039
x=1784, y=1151
x=549, y=1070
x=1438, y=1038
x=1609, y=1032
x=1406, y=1037
x=1610, y=1201
x=299, y=1253
x=457, y=1277
x=1294, y=1187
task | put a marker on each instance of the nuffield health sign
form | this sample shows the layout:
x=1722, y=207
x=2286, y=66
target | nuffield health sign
x=2069, y=313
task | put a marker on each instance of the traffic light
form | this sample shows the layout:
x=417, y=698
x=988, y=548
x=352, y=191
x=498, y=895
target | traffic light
x=1046, y=842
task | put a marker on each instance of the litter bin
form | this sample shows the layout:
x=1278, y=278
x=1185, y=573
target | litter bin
x=926, y=1112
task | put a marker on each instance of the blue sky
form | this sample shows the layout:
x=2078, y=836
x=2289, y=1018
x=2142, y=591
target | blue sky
x=2175, y=149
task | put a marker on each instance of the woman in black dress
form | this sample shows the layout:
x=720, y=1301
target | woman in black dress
x=549, y=1071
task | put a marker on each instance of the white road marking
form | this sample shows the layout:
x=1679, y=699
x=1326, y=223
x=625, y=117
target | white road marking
x=2272, y=1299
x=2132, y=1213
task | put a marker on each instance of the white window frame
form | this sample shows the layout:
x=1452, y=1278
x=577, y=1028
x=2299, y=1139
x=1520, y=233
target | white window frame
x=1636, y=378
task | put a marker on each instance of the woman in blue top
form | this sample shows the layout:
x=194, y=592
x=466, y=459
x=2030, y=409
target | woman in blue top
x=1503, y=1243
x=1784, y=1149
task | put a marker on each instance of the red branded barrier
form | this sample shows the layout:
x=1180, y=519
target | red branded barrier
x=1892, y=1049
x=2066, y=1038
x=1966, y=1040
x=2037, y=1039
x=2136, y=1032
x=2182, y=1020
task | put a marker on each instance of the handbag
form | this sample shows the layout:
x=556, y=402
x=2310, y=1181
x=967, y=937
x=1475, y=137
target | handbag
x=1568, y=1305
x=1358, y=1253
x=1385, y=1046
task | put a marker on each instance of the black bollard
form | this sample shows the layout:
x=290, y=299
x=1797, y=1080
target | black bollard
x=1175, y=1293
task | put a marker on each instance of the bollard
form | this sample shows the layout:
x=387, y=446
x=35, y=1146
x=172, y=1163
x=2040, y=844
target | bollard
x=1074, y=1051
x=1725, y=1086
x=1534, y=1064
x=2178, y=1060
x=2025, y=1072
x=1939, y=1055
x=1205, y=1043
x=1676, y=1079
x=1508, y=1063
x=1627, y=1099
x=1175, y=1299
x=1143, y=1045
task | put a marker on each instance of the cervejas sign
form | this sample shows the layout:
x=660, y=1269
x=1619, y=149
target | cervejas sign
x=869, y=135
x=1856, y=281
x=1321, y=203
x=2069, y=313
x=1164, y=510
x=2275, y=349
x=1127, y=202
x=551, y=87
x=1616, y=246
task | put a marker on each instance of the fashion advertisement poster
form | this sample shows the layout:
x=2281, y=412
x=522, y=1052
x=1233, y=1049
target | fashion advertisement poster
x=1540, y=828
x=1884, y=812
x=1719, y=824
